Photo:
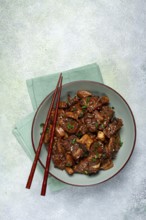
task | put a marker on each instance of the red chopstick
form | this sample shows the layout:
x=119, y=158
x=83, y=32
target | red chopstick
x=33, y=168
x=46, y=172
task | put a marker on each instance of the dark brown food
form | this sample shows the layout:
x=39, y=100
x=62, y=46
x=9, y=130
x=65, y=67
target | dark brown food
x=87, y=135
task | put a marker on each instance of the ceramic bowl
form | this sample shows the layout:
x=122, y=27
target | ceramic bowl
x=127, y=133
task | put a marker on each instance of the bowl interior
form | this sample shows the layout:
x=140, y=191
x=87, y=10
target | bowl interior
x=127, y=133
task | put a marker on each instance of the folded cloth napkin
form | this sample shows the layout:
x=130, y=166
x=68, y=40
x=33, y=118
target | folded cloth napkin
x=38, y=89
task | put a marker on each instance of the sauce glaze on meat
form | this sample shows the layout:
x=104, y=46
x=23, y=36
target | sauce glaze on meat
x=87, y=135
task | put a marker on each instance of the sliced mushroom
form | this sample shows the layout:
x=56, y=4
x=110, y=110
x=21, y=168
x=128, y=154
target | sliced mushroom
x=60, y=148
x=63, y=104
x=100, y=136
x=59, y=131
x=85, y=139
x=72, y=115
x=77, y=153
x=96, y=166
x=107, y=165
x=69, y=170
x=47, y=134
x=46, y=138
x=83, y=93
x=104, y=100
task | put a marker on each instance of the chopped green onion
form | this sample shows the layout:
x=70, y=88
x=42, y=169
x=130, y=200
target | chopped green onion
x=103, y=126
x=121, y=143
x=69, y=126
x=42, y=124
x=47, y=130
x=84, y=106
x=79, y=134
x=86, y=172
x=68, y=165
x=96, y=125
x=85, y=154
x=74, y=109
x=87, y=100
x=81, y=115
x=96, y=145
x=94, y=159
x=73, y=141
x=97, y=155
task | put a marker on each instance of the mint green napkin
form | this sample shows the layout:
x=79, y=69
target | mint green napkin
x=38, y=89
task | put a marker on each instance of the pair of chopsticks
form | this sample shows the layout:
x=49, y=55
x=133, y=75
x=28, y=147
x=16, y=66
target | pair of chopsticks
x=56, y=94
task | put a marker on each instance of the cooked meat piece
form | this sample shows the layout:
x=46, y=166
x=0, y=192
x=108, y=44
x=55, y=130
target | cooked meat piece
x=77, y=109
x=59, y=161
x=108, y=152
x=63, y=104
x=66, y=144
x=69, y=170
x=69, y=160
x=94, y=165
x=97, y=147
x=52, y=115
x=88, y=165
x=92, y=136
x=59, y=131
x=61, y=113
x=83, y=104
x=80, y=113
x=107, y=112
x=47, y=138
x=89, y=115
x=77, y=152
x=107, y=164
x=83, y=93
x=59, y=147
x=93, y=104
x=48, y=134
x=72, y=101
x=84, y=148
x=71, y=115
x=92, y=127
x=73, y=148
x=114, y=145
x=113, y=127
x=82, y=166
x=98, y=116
x=82, y=129
x=104, y=100
x=91, y=122
x=69, y=125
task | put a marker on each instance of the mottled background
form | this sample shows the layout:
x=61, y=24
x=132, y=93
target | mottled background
x=38, y=37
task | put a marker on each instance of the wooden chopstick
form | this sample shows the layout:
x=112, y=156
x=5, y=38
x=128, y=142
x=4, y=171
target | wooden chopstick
x=46, y=172
x=33, y=168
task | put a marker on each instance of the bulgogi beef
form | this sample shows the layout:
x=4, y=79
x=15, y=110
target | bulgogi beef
x=87, y=135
